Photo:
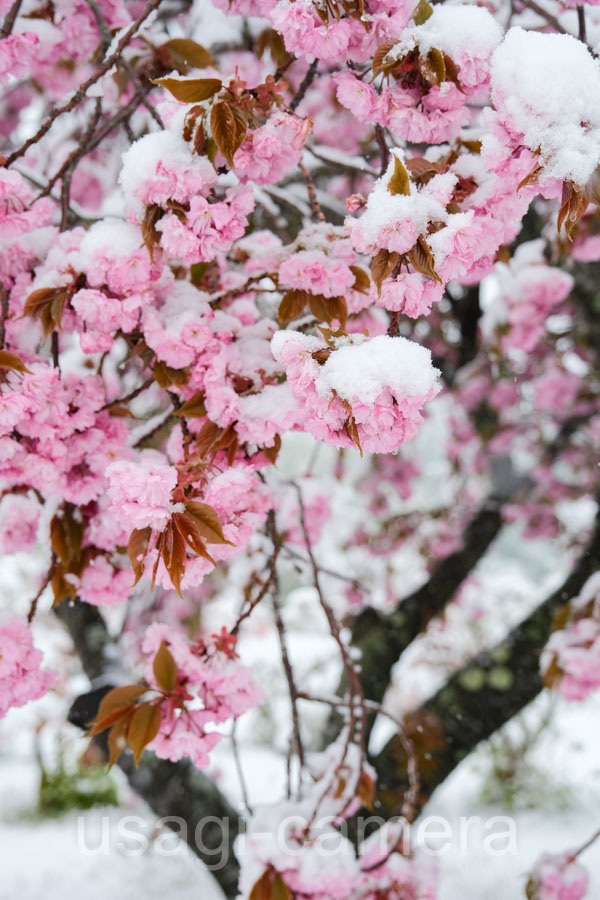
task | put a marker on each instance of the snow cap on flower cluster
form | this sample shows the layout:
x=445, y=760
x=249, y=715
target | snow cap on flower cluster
x=546, y=91
x=379, y=384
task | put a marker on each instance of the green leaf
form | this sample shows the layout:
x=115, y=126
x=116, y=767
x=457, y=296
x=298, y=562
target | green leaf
x=422, y=11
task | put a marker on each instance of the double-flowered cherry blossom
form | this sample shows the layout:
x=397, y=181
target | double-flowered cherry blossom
x=21, y=678
x=366, y=392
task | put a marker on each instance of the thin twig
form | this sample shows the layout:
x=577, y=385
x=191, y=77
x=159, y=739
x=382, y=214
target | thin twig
x=304, y=86
x=550, y=19
x=3, y=315
x=312, y=194
x=11, y=18
x=122, y=401
x=586, y=844
x=383, y=147
x=81, y=91
x=581, y=23
x=46, y=582
x=238, y=767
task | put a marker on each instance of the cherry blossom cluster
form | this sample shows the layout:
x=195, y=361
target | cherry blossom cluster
x=571, y=659
x=558, y=877
x=366, y=392
x=210, y=687
x=21, y=678
x=429, y=73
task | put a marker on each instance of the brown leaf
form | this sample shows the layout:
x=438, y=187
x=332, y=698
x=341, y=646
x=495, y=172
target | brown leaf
x=362, y=282
x=399, y=183
x=66, y=536
x=166, y=376
x=208, y=437
x=184, y=53
x=174, y=554
x=150, y=234
x=47, y=305
x=117, y=740
x=143, y=728
x=279, y=889
x=190, y=90
x=531, y=177
x=273, y=452
x=165, y=668
x=224, y=130
x=137, y=549
x=292, y=305
x=207, y=521
x=379, y=56
x=262, y=888
x=274, y=41
x=421, y=169
x=422, y=259
x=193, y=408
x=437, y=65
x=61, y=588
x=116, y=704
x=422, y=12
x=119, y=697
x=12, y=361
x=383, y=265
x=452, y=75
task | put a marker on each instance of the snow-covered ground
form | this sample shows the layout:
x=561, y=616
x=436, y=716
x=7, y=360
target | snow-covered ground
x=45, y=860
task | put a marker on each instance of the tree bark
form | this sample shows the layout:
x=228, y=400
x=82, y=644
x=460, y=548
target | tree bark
x=176, y=790
x=479, y=698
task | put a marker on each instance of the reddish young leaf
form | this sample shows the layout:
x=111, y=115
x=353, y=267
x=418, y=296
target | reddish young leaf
x=224, y=129
x=190, y=90
x=207, y=521
x=165, y=668
x=12, y=361
x=292, y=305
x=184, y=53
x=193, y=408
x=143, y=728
x=137, y=549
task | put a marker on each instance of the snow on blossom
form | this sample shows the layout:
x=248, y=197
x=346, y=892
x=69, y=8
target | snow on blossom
x=21, y=678
x=276, y=843
x=546, y=94
x=366, y=391
x=427, y=109
x=161, y=173
x=558, y=877
x=411, y=875
x=570, y=661
x=140, y=492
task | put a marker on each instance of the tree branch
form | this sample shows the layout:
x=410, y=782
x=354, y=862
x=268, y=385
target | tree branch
x=479, y=698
